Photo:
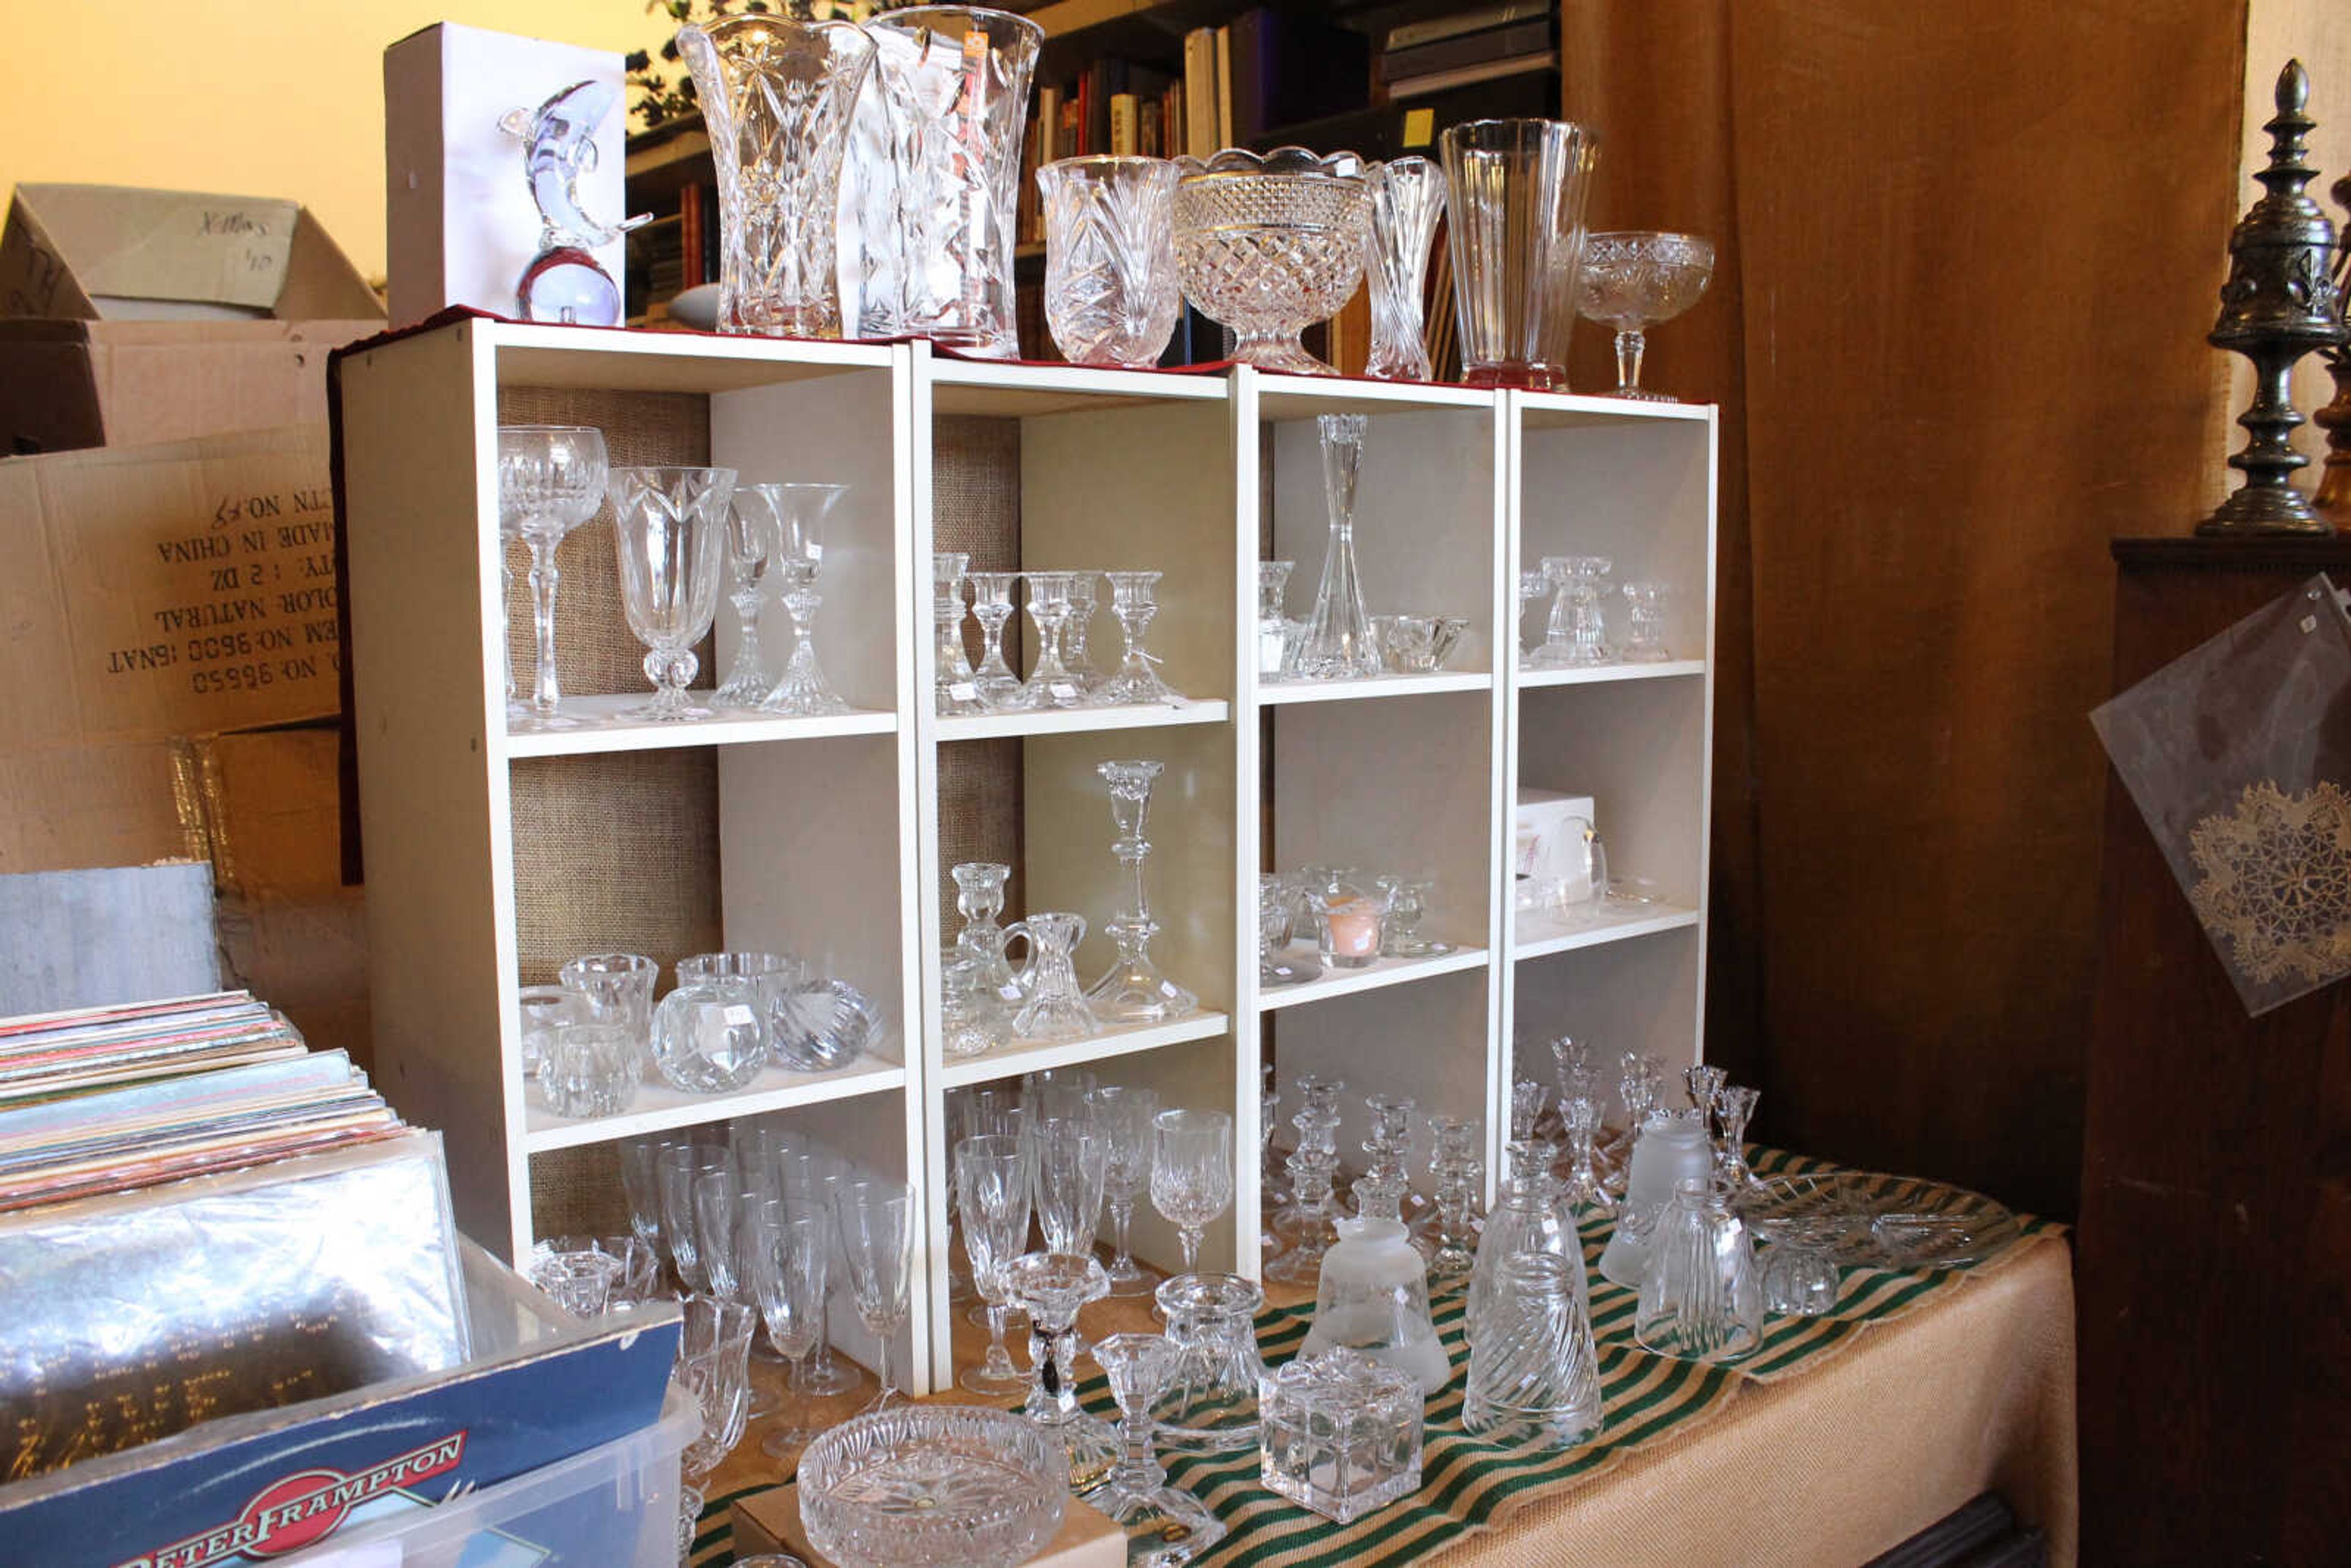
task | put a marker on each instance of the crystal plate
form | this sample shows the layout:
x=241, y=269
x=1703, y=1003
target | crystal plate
x=1917, y=1224
x=930, y=1487
x=822, y=1025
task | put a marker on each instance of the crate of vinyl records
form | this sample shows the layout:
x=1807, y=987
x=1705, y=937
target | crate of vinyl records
x=241, y=1322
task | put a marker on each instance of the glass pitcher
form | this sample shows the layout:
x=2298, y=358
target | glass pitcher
x=1374, y=1293
x=1209, y=1405
x=1056, y=1008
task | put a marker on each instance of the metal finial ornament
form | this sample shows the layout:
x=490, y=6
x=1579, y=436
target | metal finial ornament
x=2279, y=304
x=2332, y=499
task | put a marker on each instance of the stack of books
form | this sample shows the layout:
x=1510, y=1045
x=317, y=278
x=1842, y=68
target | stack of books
x=1463, y=47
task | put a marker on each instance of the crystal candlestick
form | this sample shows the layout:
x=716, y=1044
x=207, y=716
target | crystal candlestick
x=1407, y=198
x=1338, y=643
x=1313, y=1173
x=801, y=514
x=1133, y=601
x=1051, y=1287
x=1272, y=620
x=1735, y=1106
x=1082, y=587
x=991, y=603
x=1049, y=683
x=1579, y=1114
x=750, y=552
x=1168, y=1526
x=953, y=690
x=1135, y=991
x=979, y=899
x=1456, y=1169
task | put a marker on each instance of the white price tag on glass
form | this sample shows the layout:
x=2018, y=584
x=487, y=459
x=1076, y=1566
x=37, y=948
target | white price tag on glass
x=1063, y=692
x=964, y=692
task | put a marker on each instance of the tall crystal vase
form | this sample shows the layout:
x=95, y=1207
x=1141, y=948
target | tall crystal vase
x=1515, y=195
x=1407, y=198
x=954, y=80
x=777, y=96
x=1339, y=644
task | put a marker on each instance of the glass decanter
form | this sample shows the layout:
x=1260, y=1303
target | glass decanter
x=1407, y=197
x=1701, y=1297
x=1527, y=1216
x=1051, y=1287
x=1133, y=600
x=1272, y=620
x=953, y=690
x=1167, y=1526
x=992, y=604
x=801, y=514
x=1338, y=643
x=1209, y=1402
x=1372, y=1294
x=979, y=899
x=1533, y=1375
x=1135, y=991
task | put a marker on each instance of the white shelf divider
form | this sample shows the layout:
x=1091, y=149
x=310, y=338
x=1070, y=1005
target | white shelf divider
x=660, y=1108
x=1374, y=975
x=1539, y=935
x=601, y=727
x=1274, y=694
x=1083, y=720
x=1596, y=674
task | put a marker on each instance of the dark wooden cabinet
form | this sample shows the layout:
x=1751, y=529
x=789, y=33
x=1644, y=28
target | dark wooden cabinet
x=2213, y=1261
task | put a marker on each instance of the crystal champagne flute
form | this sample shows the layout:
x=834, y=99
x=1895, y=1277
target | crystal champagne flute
x=877, y=1239
x=1123, y=1115
x=791, y=1257
x=992, y=1192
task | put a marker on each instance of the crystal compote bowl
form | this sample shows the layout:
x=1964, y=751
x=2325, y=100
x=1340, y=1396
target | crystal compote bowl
x=931, y=1486
x=1633, y=279
x=1269, y=246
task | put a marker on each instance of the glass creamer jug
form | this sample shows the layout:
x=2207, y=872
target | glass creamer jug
x=1373, y=1296
x=1056, y=1008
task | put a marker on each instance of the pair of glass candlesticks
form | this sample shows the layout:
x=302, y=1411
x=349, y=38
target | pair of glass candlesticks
x=983, y=1002
x=677, y=530
x=1061, y=604
x=1352, y=918
x=1575, y=630
x=588, y=1042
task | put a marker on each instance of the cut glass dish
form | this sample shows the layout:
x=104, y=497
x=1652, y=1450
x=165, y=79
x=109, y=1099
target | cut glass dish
x=822, y=1025
x=1269, y=246
x=931, y=1486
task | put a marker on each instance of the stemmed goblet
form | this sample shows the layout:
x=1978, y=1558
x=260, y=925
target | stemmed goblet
x=750, y=553
x=551, y=477
x=1124, y=1117
x=877, y=1240
x=1192, y=1172
x=1073, y=1162
x=791, y=1258
x=801, y=512
x=1133, y=600
x=1179, y=1526
x=670, y=524
x=1634, y=279
x=991, y=1174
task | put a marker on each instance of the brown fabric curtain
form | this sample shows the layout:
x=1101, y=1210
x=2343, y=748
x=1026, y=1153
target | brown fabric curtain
x=1966, y=259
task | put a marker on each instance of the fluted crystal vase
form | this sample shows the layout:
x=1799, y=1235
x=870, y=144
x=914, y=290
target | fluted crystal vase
x=777, y=96
x=954, y=80
x=1110, y=258
x=1407, y=198
x=1515, y=195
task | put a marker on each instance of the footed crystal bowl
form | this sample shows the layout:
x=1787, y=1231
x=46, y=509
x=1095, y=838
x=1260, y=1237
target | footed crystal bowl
x=932, y=1486
x=1269, y=246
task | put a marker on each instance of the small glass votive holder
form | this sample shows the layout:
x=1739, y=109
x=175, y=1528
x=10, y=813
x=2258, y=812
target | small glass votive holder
x=541, y=1009
x=1340, y=1434
x=617, y=986
x=579, y=1282
x=708, y=1037
x=591, y=1069
x=640, y=1270
x=1354, y=930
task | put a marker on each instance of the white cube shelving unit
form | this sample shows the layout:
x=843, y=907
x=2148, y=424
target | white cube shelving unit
x=828, y=829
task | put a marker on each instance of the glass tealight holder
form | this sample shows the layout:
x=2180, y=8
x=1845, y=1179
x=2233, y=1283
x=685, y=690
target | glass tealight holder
x=708, y=1034
x=540, y=1009
x=1355, y=924
x=1341, y=1433
x=590, y=1069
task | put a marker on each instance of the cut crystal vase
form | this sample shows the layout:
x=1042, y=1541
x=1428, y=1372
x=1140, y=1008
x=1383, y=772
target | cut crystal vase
x=1407, y=198
x=1110, y=258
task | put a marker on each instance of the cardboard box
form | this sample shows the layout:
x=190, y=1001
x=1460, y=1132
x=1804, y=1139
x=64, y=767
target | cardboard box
x=770, y=1522
x=458, y=208
x=70, y=384
x=1549, y=838
x=121, y=253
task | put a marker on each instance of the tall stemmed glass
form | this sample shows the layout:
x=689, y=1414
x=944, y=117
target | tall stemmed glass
x=992, y=1194
x=1338, y=643
x=1135, y=991
x=1073, y=1162
x=1123, y=1115
x=801, y=512
x=992, y=604
x=553, y=477
x=750, y=551
x=1049, y=683
x=877, y=1239
x=813, y=1176
x=1133, y=598
x=1192, y=1174
x=670, y=524
x=681, y=1166
x=713, y=1362
x=791, y=1258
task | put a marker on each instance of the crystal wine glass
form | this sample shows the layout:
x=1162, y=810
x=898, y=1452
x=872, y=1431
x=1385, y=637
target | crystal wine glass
x=1192, y=1174
x=814, y=1176
x=801, y=512
x=1124, y=1117
x=1132, y=599
x=1176, y=1527
x=641, y=1185
x=1338, y=643
x=714, y=1364
x=952, y=690
x=1072, y=1162
x=671, y=528
x=991, y=603
x=991, y=1174
x=1644, y=623
x=1049, y=684
x=791, y=1255
x=552, y=478
x=877, y=1239
x=750, y=552
x=1632, y=280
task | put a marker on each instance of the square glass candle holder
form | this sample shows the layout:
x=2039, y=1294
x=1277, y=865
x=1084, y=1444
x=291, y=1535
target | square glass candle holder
x=1340, y=1434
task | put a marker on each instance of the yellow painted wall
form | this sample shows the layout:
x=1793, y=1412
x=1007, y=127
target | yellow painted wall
x=261, y=98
